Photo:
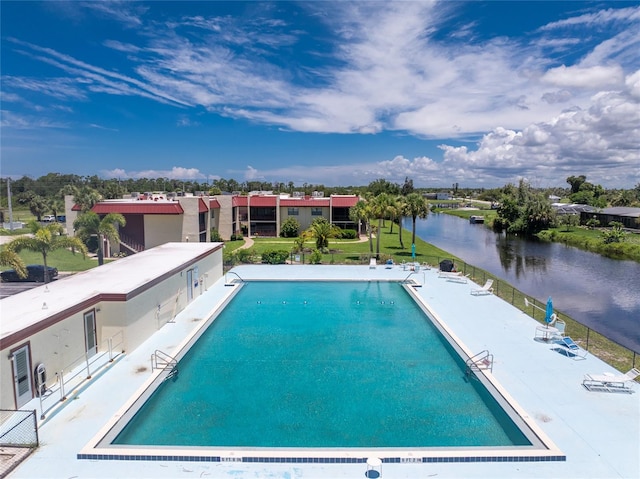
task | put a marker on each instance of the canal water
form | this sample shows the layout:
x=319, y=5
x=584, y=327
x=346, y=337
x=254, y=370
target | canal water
x=601, y=293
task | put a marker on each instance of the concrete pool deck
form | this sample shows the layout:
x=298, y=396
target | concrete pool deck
x=598, y=432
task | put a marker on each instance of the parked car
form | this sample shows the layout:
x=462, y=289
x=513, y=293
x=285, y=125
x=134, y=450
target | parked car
x=35, y=272
x=48, y=218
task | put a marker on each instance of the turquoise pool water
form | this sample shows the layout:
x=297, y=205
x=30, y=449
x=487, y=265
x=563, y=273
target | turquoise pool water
x=321, y=364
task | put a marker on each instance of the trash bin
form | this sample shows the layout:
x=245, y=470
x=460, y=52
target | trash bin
x=446, y=265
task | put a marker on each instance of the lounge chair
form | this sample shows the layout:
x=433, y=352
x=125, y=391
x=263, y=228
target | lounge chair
x=372, y=263
x=611, y=382
x=458, y=278
x=569, y=347
x=447, y=274
x=486, y=289
x=560, y=327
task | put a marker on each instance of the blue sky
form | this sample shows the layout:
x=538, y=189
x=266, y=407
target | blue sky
x=478, y=93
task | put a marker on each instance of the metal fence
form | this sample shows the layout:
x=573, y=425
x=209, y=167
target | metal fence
x=18, y=429
x=597, y=343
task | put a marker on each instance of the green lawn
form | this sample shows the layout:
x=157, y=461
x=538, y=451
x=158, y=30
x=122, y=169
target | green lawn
x=357, y=251
x=62, y=259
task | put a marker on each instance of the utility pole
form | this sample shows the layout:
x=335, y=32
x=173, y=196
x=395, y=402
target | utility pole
x=9, y=203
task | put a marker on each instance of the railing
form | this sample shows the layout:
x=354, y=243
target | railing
x=76, y=373
x=482, y=360
x=234, y=273
x=161, y=360
x=610, y=351
x=130, y=243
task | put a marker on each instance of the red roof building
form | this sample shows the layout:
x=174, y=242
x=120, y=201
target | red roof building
x=155, y=219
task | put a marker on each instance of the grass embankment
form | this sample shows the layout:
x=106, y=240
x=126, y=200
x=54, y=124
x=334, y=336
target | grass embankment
x=592, y=240
x=577, y=236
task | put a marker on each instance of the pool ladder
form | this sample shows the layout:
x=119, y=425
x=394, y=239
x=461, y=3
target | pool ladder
x=482, y=360
x=231, y=283
x=161, y=360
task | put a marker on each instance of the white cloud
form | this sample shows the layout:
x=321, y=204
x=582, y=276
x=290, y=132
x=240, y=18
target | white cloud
x=251, y=174
x=387, y=68
x=601, y=17
x=177, y=173
x=597, y=77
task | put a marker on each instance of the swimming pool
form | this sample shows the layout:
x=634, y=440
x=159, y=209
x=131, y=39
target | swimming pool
x=324, y=365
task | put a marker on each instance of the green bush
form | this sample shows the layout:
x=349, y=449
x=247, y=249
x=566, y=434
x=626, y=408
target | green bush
x=215, y=236
x=349, y=234
x=290, y=228
x=316, y=257
x=275, y=256
x=244, y=255
x=91, y=243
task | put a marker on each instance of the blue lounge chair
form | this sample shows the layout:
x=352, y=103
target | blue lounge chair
x=569, y=347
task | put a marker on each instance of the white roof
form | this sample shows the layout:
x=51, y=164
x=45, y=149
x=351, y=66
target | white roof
x=118, y=277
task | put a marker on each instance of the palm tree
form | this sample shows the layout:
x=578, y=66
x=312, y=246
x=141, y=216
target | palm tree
x=89, y=224
x=361, y=213
x=37, y=205
x=539, y=214
x=11, y=258
x=401, y=208
x=416, y=207
x=322, y=230
x=86, y=198
x=44, y=240
x=392, y=211
x=56, y=206
x=379, y=207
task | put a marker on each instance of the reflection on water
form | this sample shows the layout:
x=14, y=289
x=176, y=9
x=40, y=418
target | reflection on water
x=514, y=259
x=599, y=292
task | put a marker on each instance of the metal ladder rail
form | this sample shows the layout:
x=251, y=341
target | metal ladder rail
x=480, y=361
x=406, y=280
x=161, y=360
x=233, y=272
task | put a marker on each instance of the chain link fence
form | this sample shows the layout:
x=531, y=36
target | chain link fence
x=18, y=428
x=18, y=438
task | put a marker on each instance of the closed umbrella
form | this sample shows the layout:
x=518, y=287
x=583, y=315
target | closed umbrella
x=548, y=317
x=413, y=251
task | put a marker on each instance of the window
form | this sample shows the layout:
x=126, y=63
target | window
x=292, y=211
x=316, y=211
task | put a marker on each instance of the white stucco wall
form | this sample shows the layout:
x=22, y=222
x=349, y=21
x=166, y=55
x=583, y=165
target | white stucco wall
x=125, y=296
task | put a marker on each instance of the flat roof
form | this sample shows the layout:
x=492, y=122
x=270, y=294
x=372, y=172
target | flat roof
x=121, y=277
x=598, y=432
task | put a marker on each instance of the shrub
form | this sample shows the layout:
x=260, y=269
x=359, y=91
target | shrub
x=290, y=228
x=349, y=234
x=215, y=236
x=316, y=257
x=298, y=244
x=275, y=256
x=244, y=255
x=237, y=237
